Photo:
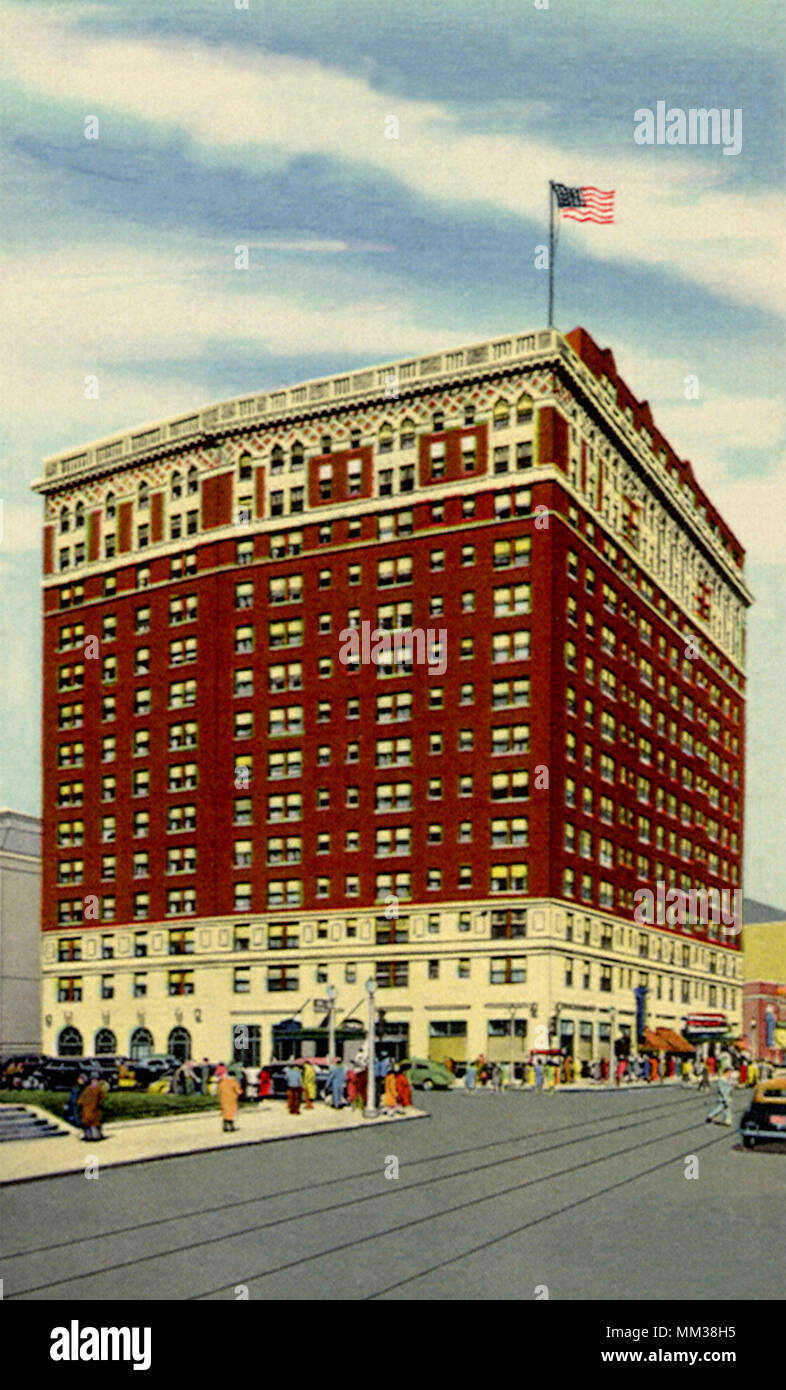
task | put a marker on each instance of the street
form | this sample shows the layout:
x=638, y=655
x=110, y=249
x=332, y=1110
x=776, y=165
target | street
x=584, y=1195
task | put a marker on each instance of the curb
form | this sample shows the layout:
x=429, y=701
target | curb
x=213, y=1148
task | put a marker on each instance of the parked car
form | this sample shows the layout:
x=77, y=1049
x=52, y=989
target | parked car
x=61, y=1073
x=765, y=1118
x=425, y=1075
x=20, y=1067
x=153, y=1068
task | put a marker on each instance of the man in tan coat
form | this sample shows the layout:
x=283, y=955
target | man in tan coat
x=91, y=1106
x=228, y=1092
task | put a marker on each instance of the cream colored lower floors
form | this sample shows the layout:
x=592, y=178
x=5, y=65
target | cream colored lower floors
x=499, y=977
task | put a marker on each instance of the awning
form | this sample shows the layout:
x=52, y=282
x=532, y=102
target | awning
x=665, y=1040
x=675, y=1041
x=707, y=1025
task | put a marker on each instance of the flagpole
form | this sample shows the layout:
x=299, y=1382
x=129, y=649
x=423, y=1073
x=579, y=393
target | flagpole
x=551, y=253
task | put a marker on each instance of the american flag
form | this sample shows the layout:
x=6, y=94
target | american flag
x=586, y=204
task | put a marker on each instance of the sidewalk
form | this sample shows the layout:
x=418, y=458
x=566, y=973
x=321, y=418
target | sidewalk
x=172, y=1136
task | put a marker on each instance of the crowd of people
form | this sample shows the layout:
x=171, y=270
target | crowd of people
x=346, y=1084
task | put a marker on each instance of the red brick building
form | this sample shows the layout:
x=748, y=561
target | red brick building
x=222, y=788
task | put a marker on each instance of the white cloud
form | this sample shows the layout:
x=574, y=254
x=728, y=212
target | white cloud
x=672, y=210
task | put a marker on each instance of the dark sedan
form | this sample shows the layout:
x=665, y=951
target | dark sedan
x=765, y=1118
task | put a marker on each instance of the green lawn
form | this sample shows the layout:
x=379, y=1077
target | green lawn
x=120, y=1105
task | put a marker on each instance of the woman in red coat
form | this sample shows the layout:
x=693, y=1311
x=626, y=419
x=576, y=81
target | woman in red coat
x=265, y=1085
x=403, y=1090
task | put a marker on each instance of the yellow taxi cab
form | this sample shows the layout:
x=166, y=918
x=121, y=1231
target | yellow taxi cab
x=765, y=1118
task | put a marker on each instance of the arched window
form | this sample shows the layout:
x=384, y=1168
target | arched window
x=277, y=459
x=297, y=455
x=65, y=520
x=69, y=1043
x=179, y=1044
x=501, y=414
x=105, y=1043
x=143, y=497
x=79, y=516
x=523, y=409
x=407, y=434
x=193, y=479
x=245, y=468
x=175, y=487
x=385, y=438
x=110, y=506
x=141, y=1044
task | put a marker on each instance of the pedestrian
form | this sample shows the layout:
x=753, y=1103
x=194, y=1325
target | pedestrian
x=620, y=1071
x=71, y=1109
x=204, y=1076
x=469, y=1076
x=403, y=1089
x=704, y=1077
x=294, y=1082
x=336, y=1080
x=391, y=1095
x=228, y=1094
x=352, y=1086
x=685, y=1072
x=711, y=1065
x=361, y=1082
x=743, y=1072
x=753, y=1074
x=91, y=1105
x=538, y=1077
x=309, y=1085
x=568, y=1070
x=495, y=1078
x=723, y=1106
x=264, y=1084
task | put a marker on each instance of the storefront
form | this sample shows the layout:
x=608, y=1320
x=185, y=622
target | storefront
x=707, y=1032
x=447, y=1037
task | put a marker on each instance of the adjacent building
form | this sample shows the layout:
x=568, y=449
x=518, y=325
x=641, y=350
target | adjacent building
x=253, y=795
x=764, y=990
x=20, y=933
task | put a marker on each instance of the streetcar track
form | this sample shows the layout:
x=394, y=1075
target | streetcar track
x=408, y=1188
x=349, y=1177
x=448, y=1211
x=536, y=1221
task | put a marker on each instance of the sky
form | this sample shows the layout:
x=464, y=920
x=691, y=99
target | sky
x=267, y=125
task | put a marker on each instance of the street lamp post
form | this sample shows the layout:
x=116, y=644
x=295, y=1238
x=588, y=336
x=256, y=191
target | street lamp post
x=370, y=1111
x=612, y=1016
x=331, y=994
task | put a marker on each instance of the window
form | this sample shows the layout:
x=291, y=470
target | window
x=392, y=974
x=507, y=970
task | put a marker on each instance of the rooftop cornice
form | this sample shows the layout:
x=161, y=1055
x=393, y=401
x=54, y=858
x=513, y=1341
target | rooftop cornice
x=409, y=376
